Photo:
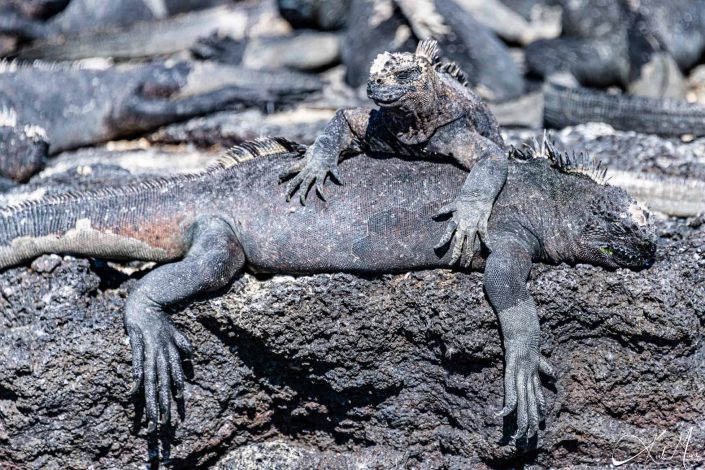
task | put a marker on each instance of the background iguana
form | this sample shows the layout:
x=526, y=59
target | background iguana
x=209, y=226
x=425, y=110
x=74, y=105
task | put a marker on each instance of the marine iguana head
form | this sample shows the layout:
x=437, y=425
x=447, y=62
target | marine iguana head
x=604, y=225
x=617, y=232
x=404, y=80
x=23, y=148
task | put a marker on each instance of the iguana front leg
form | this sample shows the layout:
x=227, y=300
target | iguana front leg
x=487, y=164
x=214, y=257
x=506, y=272
x=322, y=157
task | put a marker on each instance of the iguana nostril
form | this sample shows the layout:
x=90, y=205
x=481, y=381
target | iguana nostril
x=378, y=81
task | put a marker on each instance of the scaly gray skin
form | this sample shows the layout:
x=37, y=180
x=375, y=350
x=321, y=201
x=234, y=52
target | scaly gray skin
x=76, y=106
x=681, y=26
x=610, y=43
x=543, y=23
x=81, y=16
x=155, y=38
x=35, y=9
x=425, y=111
x=15, y=25
x=375, y=26
x=209, y=226
x=570, y=106
x=306, y=51
x=23, y=18
x=323, y=15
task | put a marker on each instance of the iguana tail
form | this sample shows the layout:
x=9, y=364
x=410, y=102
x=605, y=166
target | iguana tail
x=147, y=220
x=570, y=106
x=673, y=196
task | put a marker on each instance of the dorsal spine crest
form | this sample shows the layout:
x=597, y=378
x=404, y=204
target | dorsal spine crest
x=428, y=50
x=565, y=162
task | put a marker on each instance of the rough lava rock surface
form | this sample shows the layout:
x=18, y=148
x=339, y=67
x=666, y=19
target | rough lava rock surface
x=343, y=371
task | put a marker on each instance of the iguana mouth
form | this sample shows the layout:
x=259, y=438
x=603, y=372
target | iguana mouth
x=385, y=102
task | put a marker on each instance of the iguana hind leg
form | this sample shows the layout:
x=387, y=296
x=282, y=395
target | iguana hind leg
x=215, y=256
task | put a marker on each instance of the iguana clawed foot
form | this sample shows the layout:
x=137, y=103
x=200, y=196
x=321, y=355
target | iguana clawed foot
x=468, y=225
x=307, y=172
x=522, y=388
x=157, y=347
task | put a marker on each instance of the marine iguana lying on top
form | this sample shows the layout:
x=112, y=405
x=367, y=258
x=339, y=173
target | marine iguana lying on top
x=71, y=106
x=210, y=225
x=424, y=110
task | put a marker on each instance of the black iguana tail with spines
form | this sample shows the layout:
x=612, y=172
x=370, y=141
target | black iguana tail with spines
x=571, y=106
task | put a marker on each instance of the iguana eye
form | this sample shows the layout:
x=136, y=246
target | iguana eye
x=405, y=74
x=607, y=250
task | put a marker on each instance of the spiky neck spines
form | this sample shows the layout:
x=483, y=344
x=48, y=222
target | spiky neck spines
x=261, y=147
x=565, y=162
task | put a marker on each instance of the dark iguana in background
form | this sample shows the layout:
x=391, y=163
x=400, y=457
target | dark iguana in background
x=642, y=46
x=209, y=226
x=67, y=106
x=425, y=110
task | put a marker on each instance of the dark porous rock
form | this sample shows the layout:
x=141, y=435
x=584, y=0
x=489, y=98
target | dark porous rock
x=343, y=371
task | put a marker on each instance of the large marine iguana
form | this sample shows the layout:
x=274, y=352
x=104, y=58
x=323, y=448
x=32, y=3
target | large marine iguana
x=424, y=110
x=209, y=226
x=71, y=106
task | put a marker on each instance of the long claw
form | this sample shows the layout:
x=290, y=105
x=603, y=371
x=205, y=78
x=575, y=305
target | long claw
x=468, y=251
x=292, y=186
x=510, y=392
x=137, y=344
x=450, y=230
x=522, y=415
x=546, y=368
x=182, y=342
x=532, y=409
x=150, y=389
x=177, y=372
x=458, y=247
x=164, y=388
x=539, y=396
x=335, y=176
x=319, y=191
x=446, y=209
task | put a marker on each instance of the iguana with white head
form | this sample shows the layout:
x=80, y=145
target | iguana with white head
x=425, y=110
